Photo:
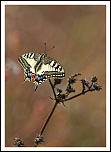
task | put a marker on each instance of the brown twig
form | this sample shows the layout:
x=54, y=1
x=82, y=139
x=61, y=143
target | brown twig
x=55, y=105
x=44, y=126
x=76, y=95
x=62, y=97
x=53, y=109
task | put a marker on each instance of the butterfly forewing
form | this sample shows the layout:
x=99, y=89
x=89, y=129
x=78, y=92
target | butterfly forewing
x=29, y=60
x=40, y=67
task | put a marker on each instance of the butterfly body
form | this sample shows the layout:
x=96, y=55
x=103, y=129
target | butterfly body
x=39, y=67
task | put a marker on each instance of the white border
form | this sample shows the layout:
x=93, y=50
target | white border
x=108, y=76
x=2, y=76
x=55, y=2
x=107, y=3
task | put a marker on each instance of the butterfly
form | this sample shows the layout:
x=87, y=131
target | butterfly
x=40, y=67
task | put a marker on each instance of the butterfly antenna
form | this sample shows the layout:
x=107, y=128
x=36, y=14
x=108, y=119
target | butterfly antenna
x=21, y=84
x=45, y=47
x=48, y=49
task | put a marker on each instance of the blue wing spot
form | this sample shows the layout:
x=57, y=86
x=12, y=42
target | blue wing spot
x=40, y=77
x=28, y=74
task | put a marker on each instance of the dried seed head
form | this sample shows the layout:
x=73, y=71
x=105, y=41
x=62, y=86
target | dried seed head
x=72, y=80
x=18, y=142
x=57, y=81
x=94, y=79
x=38, y=139
x=59, y=90
x=85, y=82
x=69, y=89
x=95, y=86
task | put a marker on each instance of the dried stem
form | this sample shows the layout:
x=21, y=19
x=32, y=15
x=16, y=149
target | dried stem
x=53, y=109
x=53, y=89
x=62, y=97
x=55, y=105
x=76, y=95
x=42, y=130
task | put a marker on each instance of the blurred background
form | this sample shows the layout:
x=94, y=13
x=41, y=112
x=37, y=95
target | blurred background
x=78, y=34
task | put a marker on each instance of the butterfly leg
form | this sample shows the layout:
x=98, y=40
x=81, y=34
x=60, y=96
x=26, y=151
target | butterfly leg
x=36, y=85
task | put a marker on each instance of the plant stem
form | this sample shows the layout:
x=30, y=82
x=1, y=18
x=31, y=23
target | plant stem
x=42, y=130
x=53, y=109
x=55, y=105
x=53, y=89
x=76, y=95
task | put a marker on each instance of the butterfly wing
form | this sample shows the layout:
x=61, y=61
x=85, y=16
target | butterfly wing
x=41, y=67
x=28, y=61
x=52, y=68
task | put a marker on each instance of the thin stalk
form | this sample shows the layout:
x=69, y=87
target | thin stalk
x=44, y=126
x=53, y=109
x=76, y=95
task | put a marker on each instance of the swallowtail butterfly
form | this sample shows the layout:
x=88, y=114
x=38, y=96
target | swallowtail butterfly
x=39, y=67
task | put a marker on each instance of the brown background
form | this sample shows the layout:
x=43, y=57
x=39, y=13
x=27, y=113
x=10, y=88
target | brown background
x=78, y=34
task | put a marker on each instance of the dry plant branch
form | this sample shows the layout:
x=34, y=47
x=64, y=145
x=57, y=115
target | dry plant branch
x=61, y=97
